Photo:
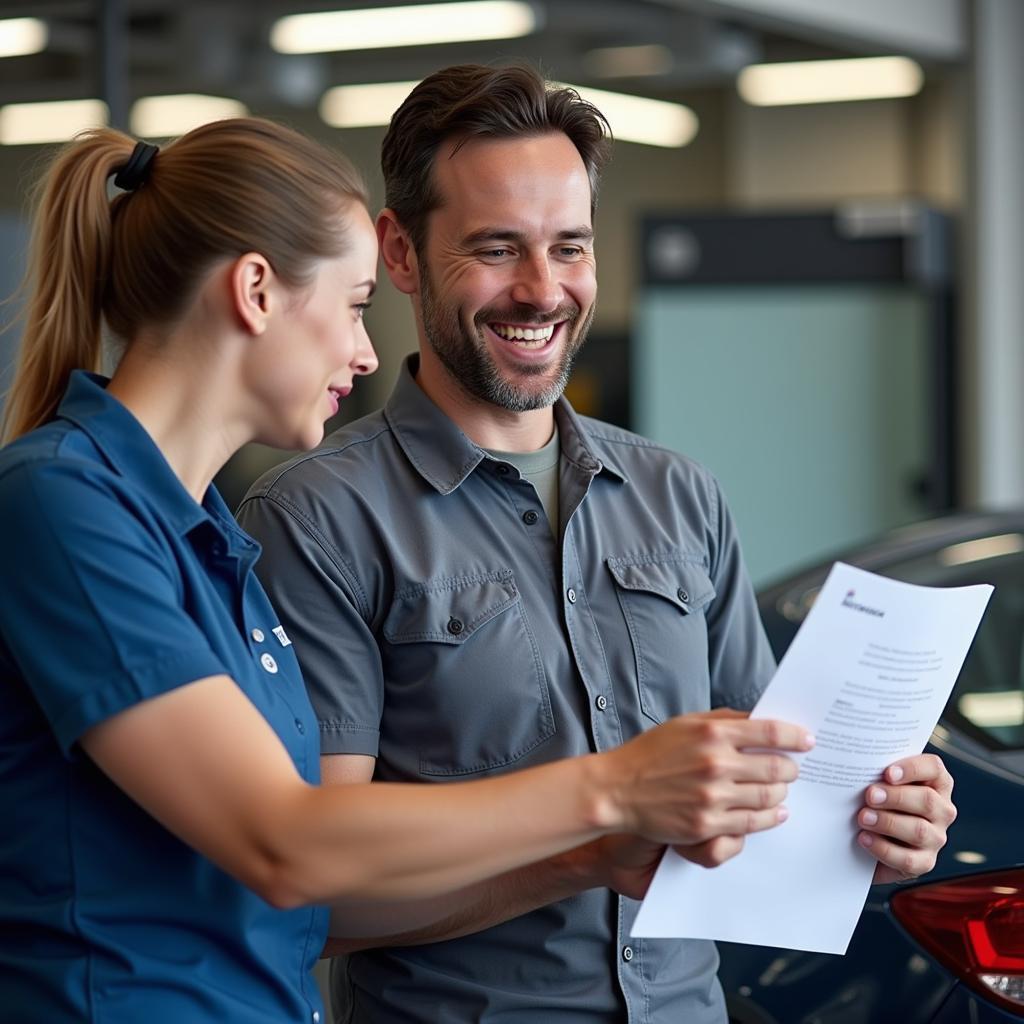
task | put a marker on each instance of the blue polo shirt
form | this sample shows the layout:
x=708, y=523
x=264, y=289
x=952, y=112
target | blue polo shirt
x=117, y=587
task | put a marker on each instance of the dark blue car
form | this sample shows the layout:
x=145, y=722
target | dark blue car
x=948, y=949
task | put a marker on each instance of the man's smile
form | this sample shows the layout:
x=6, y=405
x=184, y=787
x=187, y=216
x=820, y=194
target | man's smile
x=529, y=338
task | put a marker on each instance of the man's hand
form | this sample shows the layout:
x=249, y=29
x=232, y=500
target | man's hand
x=905, y=818
x=625, y=864
x=704, y=781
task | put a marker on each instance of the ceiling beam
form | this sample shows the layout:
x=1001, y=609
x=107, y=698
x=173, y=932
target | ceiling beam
x=929, y=29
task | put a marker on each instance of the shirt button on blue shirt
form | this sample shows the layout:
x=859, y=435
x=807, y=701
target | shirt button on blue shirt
x=627, y=953
x=267, y=661
x=571, y=595
x=601, y=702
x=258, y=635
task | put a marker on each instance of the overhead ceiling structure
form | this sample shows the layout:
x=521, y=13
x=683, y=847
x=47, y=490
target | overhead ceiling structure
x=124, y=50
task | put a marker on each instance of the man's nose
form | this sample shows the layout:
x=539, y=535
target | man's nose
x=537, y=285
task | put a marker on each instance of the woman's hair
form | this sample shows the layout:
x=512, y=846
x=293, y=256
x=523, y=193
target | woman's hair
x=472, y=101
x=137, y=260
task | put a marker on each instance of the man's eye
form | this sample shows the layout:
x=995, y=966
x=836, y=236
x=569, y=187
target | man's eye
x=496, y=253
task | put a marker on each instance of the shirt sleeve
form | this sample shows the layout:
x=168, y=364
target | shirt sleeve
x=313, y=591
x=740, y=658
x=91, y=610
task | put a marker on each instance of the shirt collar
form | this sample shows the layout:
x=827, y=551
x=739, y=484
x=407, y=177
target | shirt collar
x=444, y=456
x=582, y=446
x=129, y=449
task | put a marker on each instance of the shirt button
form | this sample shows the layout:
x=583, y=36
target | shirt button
x=530, y=517
x=300, y=727
x=601, y=702
x=502, y=469
x=571, y=595
x=627, y=953
x=682, y=595
x=316, y=1017
x=267, y=661
x=455, y=626
x=258, y=635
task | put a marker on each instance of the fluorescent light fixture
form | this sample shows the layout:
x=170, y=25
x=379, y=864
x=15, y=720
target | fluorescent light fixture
x=22, y=36
x=413, y=25
x=58, y=121
x=162, y=117
x=643, y=120
x=830, y=81
x=629, y=61
x=361, y=106
x=985, y=547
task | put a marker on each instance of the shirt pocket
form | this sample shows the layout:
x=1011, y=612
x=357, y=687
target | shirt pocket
x=663, y=598
x=465, y=683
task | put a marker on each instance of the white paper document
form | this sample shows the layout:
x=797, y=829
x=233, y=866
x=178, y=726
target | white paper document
x=868, y=673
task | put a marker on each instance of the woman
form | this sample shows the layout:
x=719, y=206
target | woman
x=165, y=843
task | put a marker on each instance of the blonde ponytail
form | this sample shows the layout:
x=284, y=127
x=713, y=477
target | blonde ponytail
x=223, y=189
x=68, y=269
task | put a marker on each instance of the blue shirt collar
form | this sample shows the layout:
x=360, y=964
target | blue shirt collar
x=444, y=456
x=130, y=451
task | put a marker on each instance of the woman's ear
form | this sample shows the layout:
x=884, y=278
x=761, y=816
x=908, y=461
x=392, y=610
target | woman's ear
x=251, y=278
x=398, y=253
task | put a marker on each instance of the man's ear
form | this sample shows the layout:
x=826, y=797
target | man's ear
x=398, y=253
x=250, y=279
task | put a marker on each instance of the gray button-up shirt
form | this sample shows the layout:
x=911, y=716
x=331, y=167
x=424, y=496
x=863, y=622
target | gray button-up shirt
x=443, y=630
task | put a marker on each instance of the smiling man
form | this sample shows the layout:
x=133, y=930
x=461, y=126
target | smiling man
x=478, y=579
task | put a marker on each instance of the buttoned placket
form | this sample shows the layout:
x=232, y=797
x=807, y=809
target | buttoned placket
x=534, y=524
x=591, y=665
x=234, y=549
x=584, y=637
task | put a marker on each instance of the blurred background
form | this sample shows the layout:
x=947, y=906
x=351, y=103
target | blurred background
x=810, y=238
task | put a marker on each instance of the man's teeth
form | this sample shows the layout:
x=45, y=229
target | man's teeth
x=530, y=337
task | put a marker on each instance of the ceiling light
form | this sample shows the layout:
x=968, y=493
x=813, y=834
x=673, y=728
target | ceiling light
x=164, y=117
x=639, y=119
x=360, y=106
x=414, y=25
x=24, y=123
x=21, y=36
x=629, y=61
x=830, y=81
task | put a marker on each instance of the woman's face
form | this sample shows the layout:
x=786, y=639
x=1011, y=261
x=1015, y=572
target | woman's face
x=310, y=357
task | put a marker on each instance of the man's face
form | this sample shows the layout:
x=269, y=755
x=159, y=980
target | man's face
x=507, y=276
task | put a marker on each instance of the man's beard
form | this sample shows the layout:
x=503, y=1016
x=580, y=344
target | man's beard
x=469, y=361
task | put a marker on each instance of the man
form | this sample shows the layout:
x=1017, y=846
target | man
x=478, y=579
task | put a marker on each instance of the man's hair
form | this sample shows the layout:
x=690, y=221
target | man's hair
x=473, y=101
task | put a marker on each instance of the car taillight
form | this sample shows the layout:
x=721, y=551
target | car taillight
x=975, y=927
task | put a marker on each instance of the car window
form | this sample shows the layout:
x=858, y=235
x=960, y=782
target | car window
x=988, y=701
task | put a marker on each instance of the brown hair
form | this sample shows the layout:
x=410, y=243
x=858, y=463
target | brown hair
x=475, y=101
x=224, y=189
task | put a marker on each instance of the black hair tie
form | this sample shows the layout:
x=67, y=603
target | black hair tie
x=136, y=171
